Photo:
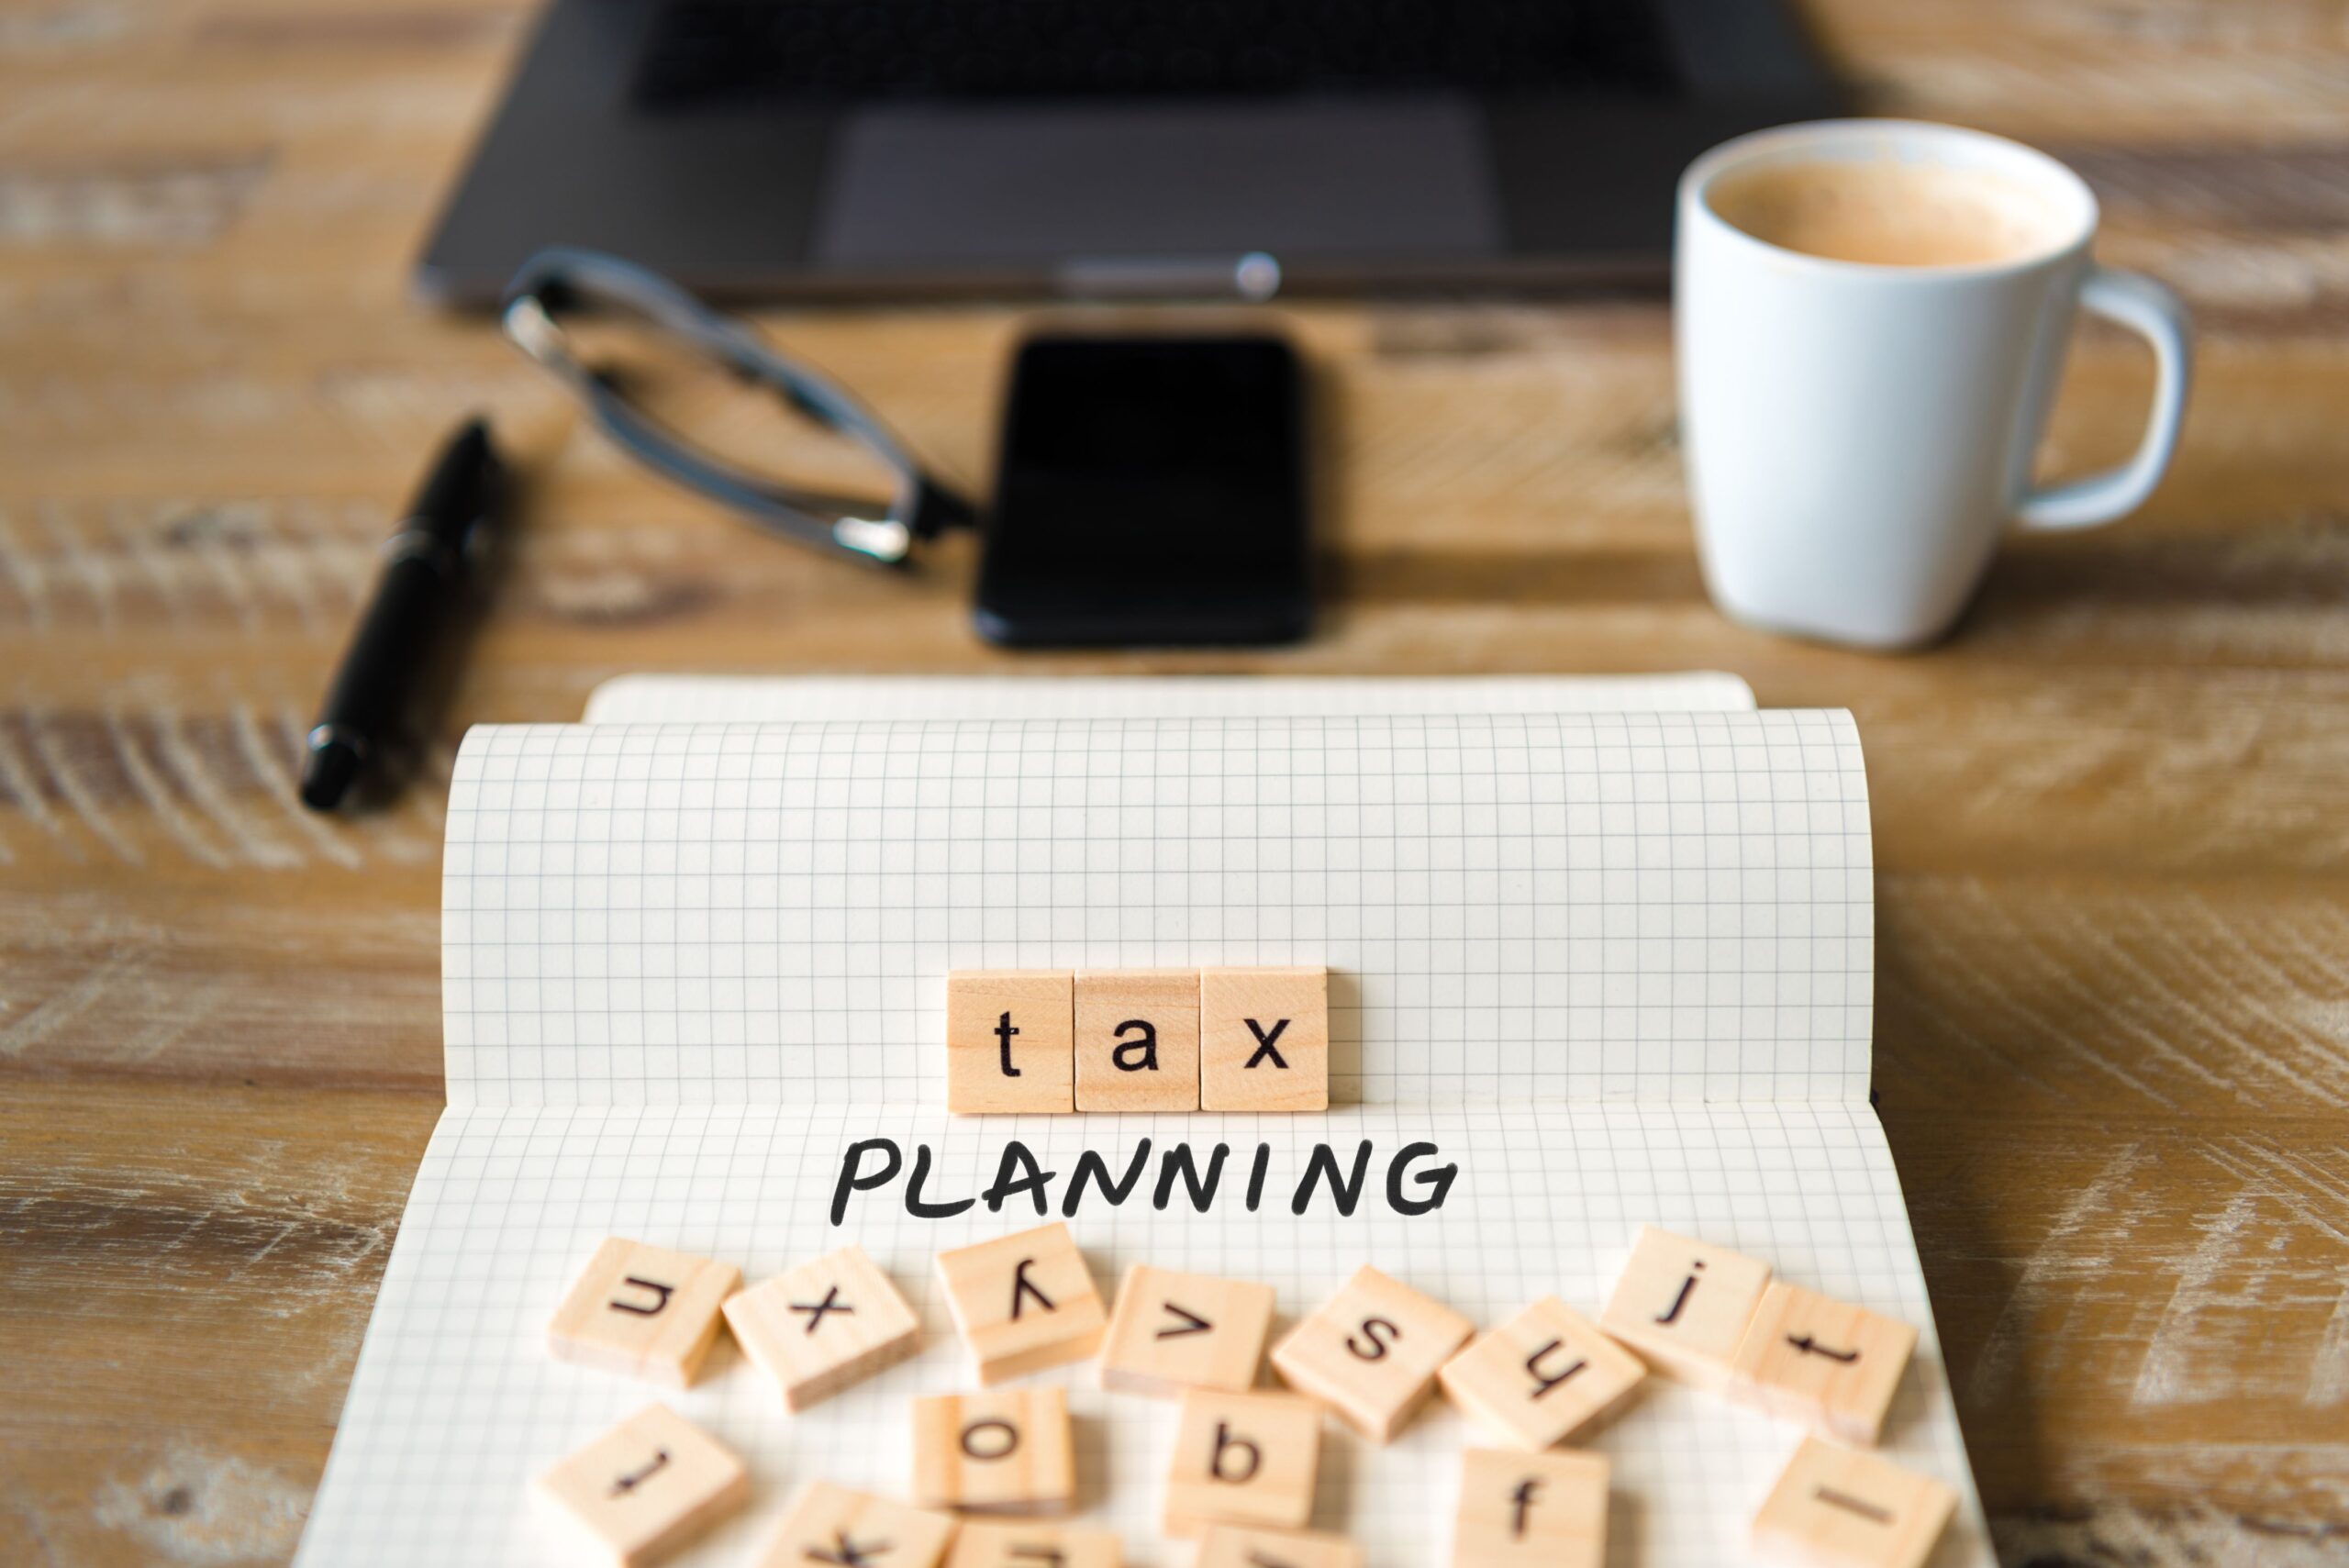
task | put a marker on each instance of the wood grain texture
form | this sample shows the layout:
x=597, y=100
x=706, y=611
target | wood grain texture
x=2112, y=1032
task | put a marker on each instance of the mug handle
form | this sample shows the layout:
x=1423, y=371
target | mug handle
x=2154, y=312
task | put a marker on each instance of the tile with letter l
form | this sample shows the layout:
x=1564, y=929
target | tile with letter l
x=642, y=1310
x=838, y=1527
x=1023, y=1302
x=1531, y=1510
x=1004, y=1450
x=646, y=1489
x=1246, y=1459
x=1372, y=1352
x=1839, y=1507
x=1170, y=1332
x=1541, y=1377
x=1808, y=1357
x=1010, y=1041
x=1138, y=1039
x=992, y=1543
x=823, y=1324
x=1236, y=1546
x=1684, y=1306
x=1264, y=1039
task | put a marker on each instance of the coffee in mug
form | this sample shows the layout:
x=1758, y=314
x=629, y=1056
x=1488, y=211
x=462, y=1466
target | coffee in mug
x=1887, y=214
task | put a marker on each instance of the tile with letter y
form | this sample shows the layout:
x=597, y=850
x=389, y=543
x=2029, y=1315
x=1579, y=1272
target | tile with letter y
x=1246, y=1459
x=1023, y=1302
x=1005, y=1449
x=1808, y=1357
x=646, y=1489
x=1170, y=1332
x=642, y=1310
x=1372, y=1352
x=1264, y=1039
x=993, y=1543
x=1235, y=1546
x=1839, y=1507
x=1138, y=1039
x=1684, y=1306
x=1010, y=1041
x=1541, y=1377
x=838, y=1527
x=823, y=1325
x=1531, y=1510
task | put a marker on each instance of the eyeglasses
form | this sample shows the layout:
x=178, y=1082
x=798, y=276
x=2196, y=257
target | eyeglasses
x=562, y=280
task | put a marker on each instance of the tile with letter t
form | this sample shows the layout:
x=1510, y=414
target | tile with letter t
x=642, y=1310
x=1684, y=1306
x=1138, y=1039
x=1008, y=1450
x=1235, y=1546
x=1808, y=1357
x=1372, y=1352
x=823, y=1325
x=992, y=1543
x=646, y=1489
x=1009, y=1047
x=1023, y=1302
x=1264, y=1039
x=1531, y=1510
x=1839, y=1507
x=1170, y=1332
x=1244, y=1459
x=841, y=1528
x=1541, y=1377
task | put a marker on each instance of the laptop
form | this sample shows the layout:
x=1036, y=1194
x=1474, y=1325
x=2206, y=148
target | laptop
x=1095, y=149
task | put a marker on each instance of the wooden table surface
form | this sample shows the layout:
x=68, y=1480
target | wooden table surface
x=2113, y=1037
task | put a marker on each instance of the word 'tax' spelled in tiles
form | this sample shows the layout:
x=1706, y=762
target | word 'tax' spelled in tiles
x=1010, y=1050
x=1245, y=1459
x=1839, y=1507
x=1372, y=1352
x=841, y=1528
x=1808, y=1357
x=988, y=1543
x=1233, y=1546
x=1138, y=1039
x=1023, y=1302
x=647, y=1489
x=1170, y=1332
x=820, y=1327
x=642, y=1310
x=1684, y=1306
x=1008, y=1450
x=1531, y=1510
x=1541, y=1377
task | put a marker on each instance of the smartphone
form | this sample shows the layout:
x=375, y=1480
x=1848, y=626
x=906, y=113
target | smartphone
x=1150, y=493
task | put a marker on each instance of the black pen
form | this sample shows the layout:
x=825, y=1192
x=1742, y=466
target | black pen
x=425, y=562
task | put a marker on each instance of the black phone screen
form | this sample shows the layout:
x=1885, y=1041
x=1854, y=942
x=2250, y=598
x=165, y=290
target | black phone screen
x=1150, y=492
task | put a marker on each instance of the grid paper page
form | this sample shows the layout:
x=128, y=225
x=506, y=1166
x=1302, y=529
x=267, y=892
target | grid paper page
x=456, y=1404
x=1583, y=907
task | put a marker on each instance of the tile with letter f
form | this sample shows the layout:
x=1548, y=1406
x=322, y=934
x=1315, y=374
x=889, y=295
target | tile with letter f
x=1264, y=1039
x=646, y=1489
x=823, y=1324
x=1246, y=1459
x=1531, y=1510
x=837, y=1528
x=642, y=1310
x=1839, y=1507
x=1138, y=1039
x=1023, y=1302
x=1541, y=1377
x=1009, y=1038
x=1372, y=1352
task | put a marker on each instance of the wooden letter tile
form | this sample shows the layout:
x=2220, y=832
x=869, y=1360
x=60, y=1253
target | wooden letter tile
x=1808, y=1357
x=1684, y=1306
x=820, y=1327
x=836, y=1528
x=1138, y=1039
x=1264, y=1039
x=1004, y=1451
x=1008, y=1042
x=1372, y=1352
x=646, y=1488
x=642, y=1310
x=1531, y=1510
x=1233, y=1546
x=987, y=1543
x=1541, y=1377
x=1246, y=1459
x=1173, y=1331
x=1023, y=1302
x=1837, y=1507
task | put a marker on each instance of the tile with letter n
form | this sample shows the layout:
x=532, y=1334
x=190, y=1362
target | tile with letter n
x=1170, y=1332
x=1531, y=1510
x=1541, y=1377
x=1244, y=1459
x=999, y=1543
x=1009, y=1042
x=1684, y=1306
x=1007, y=1449
x=642, y=1310
x=823, y=1324
x=1235, y=1546
x=838, y=1527
x=1839, y=1507
x=646, y=1489
x=1808, y=1357
x=1138, y=1039
x=1264, y=1039
x=1372, y=1352
x=1023, y=1302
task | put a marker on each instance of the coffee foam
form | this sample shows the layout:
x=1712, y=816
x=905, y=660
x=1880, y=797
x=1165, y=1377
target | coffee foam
x=1887, y=214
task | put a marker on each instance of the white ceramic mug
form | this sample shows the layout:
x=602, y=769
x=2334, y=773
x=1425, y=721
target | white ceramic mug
x=1859, y=436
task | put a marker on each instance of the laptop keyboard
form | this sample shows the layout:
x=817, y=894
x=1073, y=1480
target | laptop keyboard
x=710, y=52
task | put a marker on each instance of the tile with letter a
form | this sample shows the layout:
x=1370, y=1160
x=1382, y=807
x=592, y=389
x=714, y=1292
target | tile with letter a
x=1138, y=1039
x=1531, y=1510
x=1839, y=1507
x=1541, y=1377
x=1009, y=1046
x=642, y=1310
x=836, y=1527
x=1236, y=1546
x=1170, y=1332
x=1023, y=1302
x=993, y=1543
x=647, y=1489
x=1007, y=1449
x=1684, y=1306
x=1808, y=1357
x=1243, y=1459
x=1372, y=1352
x=1264, y=1039
x=823, y=1325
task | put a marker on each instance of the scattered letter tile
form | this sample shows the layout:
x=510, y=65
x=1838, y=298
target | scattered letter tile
x=1138, y=1039
x=1009, y=1449
x=1371, y=1352
x=1531, y=1510
x=988, y=1543
x=642, y=1310
x=820, y=1327
x=1234, y=1546
x=1023, y=1302
x=1839, y=1507
x=837, y=1528
x=1264, y=1039
x=647, y=1487
x=1173, y=1331
x=1541, y=1377
x=1008, y=1042
x=1246, y=1459
x=1808, y=1357
x=1684, y=1306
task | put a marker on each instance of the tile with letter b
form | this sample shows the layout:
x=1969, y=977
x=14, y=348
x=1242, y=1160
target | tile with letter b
x=992, y=1543
x=1684, y=1306
x=642, y=1310
x=1264, y=1039
x=1009, y=1045
x=1023, y=1302
x=1245, y=1459
x=1235, y=1546
x=1839, y=1507
x=1138, y=1039
x=1541, y=1377
x=1372, y=1352
x=837, y=1528
x=1005, y=1450
x=647, y=1489
x=1531, y=1510
x=1170, y=1332
x=823, y=1324
x=1808, y=1357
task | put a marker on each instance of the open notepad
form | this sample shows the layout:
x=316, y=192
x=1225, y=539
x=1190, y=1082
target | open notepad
x=1614, y=968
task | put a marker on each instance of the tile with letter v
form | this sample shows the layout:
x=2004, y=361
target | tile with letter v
x=823, y=1325
x=648, y=1488
x=642, y=1310
x=836, y=1527
x=1170, y=1332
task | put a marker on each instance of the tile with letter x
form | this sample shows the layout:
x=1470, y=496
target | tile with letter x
x=1808, y=1357
x=1264, y=1039
x=1244, y=1459
x=1170, y=1332
x=1235, y=1546
x=991, y=1543
x=642, y=1310
x=1531, y=1510
x=1541, y=1377
x=823, y=1325
x=1009, y=1047
x=1839, y=1507
x=1138, y=1039
x=841, y=1528
x=647, y=1489
x=1371, y=1353
x=1005, y=1449
x=1684, y=1306
x=1023, y=1302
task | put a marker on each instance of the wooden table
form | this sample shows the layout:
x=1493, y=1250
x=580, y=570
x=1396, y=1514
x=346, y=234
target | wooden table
x=2113, y=994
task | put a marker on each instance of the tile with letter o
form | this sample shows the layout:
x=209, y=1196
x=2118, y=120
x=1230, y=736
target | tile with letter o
x=1005, y=1449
